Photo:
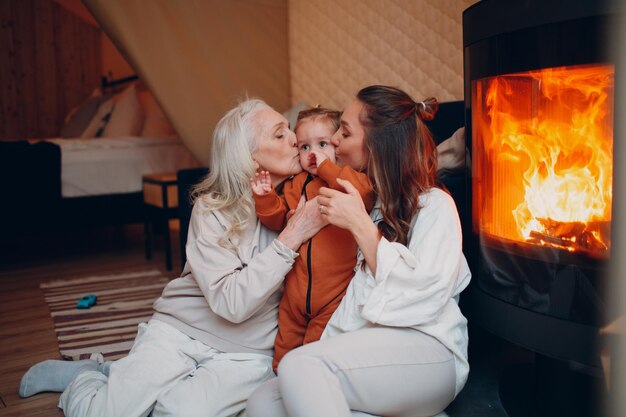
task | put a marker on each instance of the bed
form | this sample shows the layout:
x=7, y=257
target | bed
x=93, y=174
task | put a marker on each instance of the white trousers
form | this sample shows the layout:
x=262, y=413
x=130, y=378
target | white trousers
x=381, y=371
x=167, y=373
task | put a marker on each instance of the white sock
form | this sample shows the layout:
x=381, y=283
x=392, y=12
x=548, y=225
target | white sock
x=53, y=375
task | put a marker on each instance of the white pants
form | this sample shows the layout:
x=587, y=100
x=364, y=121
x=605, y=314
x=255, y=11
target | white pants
x=169, y=374
x=381, y=371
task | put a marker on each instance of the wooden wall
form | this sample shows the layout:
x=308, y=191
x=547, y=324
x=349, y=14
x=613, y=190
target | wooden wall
x=50, y=61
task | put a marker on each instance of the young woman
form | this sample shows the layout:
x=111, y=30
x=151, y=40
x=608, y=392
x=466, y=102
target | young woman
x=397, y=344
x=209, y=343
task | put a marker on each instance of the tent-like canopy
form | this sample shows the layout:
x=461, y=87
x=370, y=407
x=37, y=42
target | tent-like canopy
x=199, y=57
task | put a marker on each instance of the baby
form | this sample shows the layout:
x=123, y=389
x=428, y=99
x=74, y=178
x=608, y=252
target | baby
x=320, y=276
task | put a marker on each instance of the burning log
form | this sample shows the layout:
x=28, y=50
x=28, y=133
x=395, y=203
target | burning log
x=570, y=235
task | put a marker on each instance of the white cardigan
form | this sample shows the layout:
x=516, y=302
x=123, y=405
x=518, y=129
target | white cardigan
x=415, y=287
x=227, y=298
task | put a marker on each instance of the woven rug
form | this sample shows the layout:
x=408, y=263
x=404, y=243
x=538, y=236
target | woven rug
x=109, y=327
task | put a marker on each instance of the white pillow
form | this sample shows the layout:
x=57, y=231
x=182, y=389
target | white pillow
x=127, y=117
x=80, y=116
x=292, y=114
x=99, y=121
x=156, y=123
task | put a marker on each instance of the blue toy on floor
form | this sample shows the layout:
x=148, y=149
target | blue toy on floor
x=87, y=301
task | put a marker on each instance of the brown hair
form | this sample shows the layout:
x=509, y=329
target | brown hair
x=317, y=112
x=403, y=157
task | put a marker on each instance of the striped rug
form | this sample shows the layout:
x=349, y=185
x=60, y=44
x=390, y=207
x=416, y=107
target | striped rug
x=109, y=327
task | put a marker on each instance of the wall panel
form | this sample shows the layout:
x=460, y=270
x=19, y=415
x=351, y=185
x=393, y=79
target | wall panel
x=49, y=62
x=338, y=47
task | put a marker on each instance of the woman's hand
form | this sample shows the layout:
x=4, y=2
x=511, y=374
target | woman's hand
x=346, y=210
x=303, y=224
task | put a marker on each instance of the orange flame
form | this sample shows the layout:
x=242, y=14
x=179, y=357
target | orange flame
x=547, y=169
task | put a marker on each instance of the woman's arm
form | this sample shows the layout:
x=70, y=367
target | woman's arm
x=415, y=283
x=347, y=210
x=409, y=284
x=234, y=284
x=236, y=288
x=331, y=172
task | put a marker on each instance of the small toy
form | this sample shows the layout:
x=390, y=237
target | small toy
x=87, y=301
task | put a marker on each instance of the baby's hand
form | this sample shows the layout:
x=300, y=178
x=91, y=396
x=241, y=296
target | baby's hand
x=261, y=184
x=318, y=157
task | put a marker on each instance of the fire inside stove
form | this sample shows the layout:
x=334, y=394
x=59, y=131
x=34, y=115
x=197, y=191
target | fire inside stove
x=542, y=149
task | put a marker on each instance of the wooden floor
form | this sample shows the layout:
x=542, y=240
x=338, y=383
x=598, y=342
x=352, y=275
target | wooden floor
x=26, y=330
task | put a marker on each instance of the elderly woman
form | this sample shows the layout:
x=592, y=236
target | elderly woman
x=397, y=344
x=209, y=342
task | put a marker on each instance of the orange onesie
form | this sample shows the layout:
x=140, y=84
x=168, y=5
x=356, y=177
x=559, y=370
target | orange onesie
x=320, y=275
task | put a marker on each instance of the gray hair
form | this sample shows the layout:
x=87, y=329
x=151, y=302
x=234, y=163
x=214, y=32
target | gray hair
x=227, y=186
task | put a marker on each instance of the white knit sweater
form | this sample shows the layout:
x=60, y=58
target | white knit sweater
x=227, y=298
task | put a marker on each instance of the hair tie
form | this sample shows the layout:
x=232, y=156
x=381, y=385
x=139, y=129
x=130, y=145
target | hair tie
x=418, y=112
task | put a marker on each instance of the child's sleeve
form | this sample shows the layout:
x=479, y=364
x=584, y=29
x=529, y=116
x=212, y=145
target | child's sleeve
x=271, y=210
x=329, y=172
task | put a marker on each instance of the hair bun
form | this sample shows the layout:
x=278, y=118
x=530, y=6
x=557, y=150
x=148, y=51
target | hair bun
x=427, y=108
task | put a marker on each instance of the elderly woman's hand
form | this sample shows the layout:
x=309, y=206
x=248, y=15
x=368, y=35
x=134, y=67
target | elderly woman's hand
x=303, y=224
x=345, y=210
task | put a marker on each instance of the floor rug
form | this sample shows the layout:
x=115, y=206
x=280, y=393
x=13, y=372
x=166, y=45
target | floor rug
x=109, y=327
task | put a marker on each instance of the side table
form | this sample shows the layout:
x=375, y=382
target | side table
x=160, y=197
